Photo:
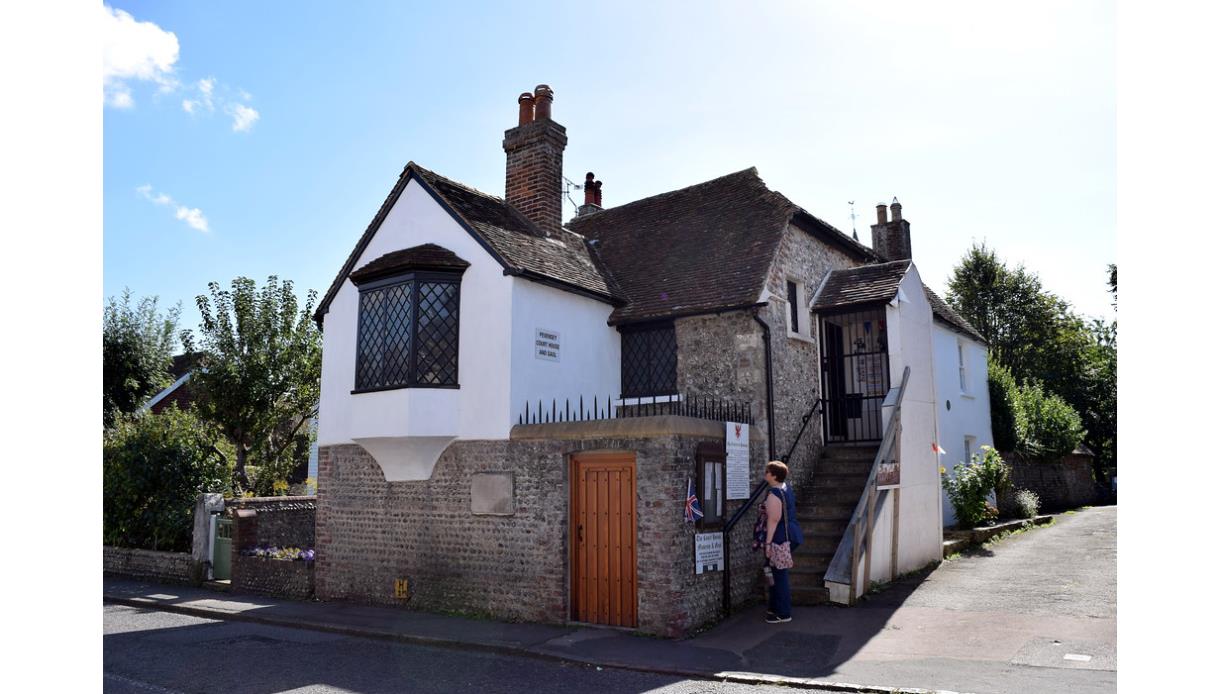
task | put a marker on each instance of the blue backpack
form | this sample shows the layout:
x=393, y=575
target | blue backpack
x=795, y=536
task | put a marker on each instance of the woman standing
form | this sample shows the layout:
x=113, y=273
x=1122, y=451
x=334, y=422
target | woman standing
x=779, y=598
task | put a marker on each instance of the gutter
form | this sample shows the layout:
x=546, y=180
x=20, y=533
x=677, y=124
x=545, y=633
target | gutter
x=770, y=388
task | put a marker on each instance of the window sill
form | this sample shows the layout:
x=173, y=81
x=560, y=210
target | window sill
x=359, y=391
x=968, y=396
x=800, y=336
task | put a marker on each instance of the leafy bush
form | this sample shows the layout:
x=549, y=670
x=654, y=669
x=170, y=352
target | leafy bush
x=1027, y=503
x=153, y=467
x=971, y=485
x=1047, y=428
x=1002, y=388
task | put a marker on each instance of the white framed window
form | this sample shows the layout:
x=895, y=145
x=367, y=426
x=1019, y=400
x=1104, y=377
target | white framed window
x=961, y=365
x=969, y=448
x=798, y=313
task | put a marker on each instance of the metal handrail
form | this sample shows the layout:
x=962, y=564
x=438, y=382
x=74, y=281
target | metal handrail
x=846, y=545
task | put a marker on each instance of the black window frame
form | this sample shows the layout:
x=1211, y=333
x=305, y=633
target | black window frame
x=650, y=337
x=415, y=278
x=711, y=453
x=794, y=315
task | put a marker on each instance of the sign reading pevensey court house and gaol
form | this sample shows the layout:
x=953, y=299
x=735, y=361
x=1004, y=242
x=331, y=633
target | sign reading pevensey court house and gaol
x=736, y=460
x=546, y=344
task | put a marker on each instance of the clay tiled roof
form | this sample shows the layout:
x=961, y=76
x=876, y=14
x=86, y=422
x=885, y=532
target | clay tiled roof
x=429, y=255
x=523, y=249
x=703, y=248
x=867, y=284
x=945, y=313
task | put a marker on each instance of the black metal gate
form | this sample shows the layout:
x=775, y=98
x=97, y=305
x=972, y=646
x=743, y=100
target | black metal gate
x=855, y=374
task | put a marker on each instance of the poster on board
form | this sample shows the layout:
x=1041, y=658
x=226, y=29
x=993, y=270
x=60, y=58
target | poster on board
x=709, y=552
x=737, y=460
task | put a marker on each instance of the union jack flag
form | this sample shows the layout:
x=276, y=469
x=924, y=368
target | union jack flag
x=693, y=509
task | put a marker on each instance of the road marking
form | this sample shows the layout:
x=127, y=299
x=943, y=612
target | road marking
x=140, y=685
x=1077, y=657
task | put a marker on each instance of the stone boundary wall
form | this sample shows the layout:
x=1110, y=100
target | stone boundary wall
x=287, y=579
x=1063, y=484
x=418, y=544
x=168, y=567
x=283, y=521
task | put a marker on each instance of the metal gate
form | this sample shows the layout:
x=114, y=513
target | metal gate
x=222, y=549
x=855, y=374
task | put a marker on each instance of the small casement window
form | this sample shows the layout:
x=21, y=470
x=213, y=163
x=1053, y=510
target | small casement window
x=649, y=360
x=408, y=327
x=709, y=482
x=961, y=364
x=969, y=445
x=798, y=315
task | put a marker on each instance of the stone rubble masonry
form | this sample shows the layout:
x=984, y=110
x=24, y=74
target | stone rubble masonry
x=166, y=567
x=418, y=545
x=283, y=521
x=1062, y=484
x=286, y=579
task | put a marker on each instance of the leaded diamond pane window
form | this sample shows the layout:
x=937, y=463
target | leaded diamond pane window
x=408, y=333
x=650, y=361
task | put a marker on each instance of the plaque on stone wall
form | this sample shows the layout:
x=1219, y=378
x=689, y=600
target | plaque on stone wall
x=737, y=460
x=709, y=552
x=491, y=494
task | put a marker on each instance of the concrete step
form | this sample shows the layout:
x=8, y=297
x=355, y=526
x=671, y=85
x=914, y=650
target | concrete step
x=832, y=495
x=843, y=466
x=820, y=542
x=812, y=562
x=842, y=451
x=830, y=526
x=808, y=595
x=827, y=510
x=837, y=480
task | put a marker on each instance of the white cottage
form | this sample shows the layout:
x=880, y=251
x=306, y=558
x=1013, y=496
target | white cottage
x=541, y=394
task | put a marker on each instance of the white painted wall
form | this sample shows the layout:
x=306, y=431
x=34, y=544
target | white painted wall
x=476, y=409
x=406, y=430
x=588, y=362
x=909, y=328
x=967, y=413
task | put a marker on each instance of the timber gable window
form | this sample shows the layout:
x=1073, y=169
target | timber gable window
x=649, y=360
x=408, y=326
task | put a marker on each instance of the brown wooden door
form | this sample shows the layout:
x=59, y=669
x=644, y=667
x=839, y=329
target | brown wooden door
x=603, y=539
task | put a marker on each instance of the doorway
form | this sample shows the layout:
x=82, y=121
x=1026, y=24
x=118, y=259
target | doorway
x=603, y=526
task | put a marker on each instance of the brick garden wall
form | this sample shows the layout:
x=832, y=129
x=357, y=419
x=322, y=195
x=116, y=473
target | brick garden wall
x=1060, y=485
x=168, y=567
x=372, y=532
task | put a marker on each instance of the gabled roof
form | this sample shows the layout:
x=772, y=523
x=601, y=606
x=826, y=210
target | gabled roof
x=867, y=284
x=703, y=248
x=944, y=313
x=516, y=243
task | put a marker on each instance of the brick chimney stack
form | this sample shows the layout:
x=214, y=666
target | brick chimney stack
x=892, y=237
x=593, y=196
x=534, y=176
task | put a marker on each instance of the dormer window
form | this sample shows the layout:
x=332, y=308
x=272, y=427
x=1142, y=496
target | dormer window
x=408, y=327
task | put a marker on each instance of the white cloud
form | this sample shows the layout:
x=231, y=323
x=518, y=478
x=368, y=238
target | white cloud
x=244, y=117
x=188, y=105
x=134, y=50
x=193, y=216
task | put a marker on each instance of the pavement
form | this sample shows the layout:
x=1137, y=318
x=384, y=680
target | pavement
x=1032, y=613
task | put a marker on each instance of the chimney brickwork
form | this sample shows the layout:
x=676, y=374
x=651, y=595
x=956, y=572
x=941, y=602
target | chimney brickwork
x=534, y=175
x=892, y=233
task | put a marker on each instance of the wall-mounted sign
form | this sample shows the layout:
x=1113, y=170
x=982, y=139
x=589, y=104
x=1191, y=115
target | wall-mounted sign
x=737, y=460
x=889, y=475
x=546, y=344
x=709, y=552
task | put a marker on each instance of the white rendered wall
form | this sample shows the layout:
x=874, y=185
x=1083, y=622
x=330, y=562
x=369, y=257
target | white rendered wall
x=476, y=410
x=968, y=412
x=909, y=327
x=588, y=363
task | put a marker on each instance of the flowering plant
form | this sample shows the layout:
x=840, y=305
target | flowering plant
x=280, y=553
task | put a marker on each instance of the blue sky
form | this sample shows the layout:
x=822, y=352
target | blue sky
x=988, y=122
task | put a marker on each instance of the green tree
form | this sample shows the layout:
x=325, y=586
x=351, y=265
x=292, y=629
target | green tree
x=1003, y=392
x=153, y=466
x=261, y=369
x=1048, y=427
x=137, y=349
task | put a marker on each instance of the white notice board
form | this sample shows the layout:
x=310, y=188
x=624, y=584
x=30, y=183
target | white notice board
x=546, y=344
x=709, y=552
x=737, y=460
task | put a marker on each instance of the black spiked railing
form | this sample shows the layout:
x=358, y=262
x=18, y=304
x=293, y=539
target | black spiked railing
x=608, y=407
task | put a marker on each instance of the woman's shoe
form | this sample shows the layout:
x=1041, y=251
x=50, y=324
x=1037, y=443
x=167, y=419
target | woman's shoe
x=776, y=619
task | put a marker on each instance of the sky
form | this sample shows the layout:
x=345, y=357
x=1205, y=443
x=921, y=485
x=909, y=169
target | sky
x=257, y=139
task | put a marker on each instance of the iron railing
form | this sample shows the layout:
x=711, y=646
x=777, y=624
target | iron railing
x=599, y=408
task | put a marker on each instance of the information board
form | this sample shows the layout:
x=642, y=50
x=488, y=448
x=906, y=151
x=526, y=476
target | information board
x=709, y=552
x=737, y=460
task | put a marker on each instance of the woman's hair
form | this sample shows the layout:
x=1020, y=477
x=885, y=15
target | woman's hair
x=778, y=470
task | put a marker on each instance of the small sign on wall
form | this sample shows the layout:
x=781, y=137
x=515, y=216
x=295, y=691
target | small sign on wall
x=737, y=460
x=709, y=552
x=546, y=344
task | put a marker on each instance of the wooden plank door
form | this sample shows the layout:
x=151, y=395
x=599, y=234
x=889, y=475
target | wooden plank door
x=603, y=539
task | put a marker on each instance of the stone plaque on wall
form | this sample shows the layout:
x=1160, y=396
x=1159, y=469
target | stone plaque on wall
x=491, y=494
